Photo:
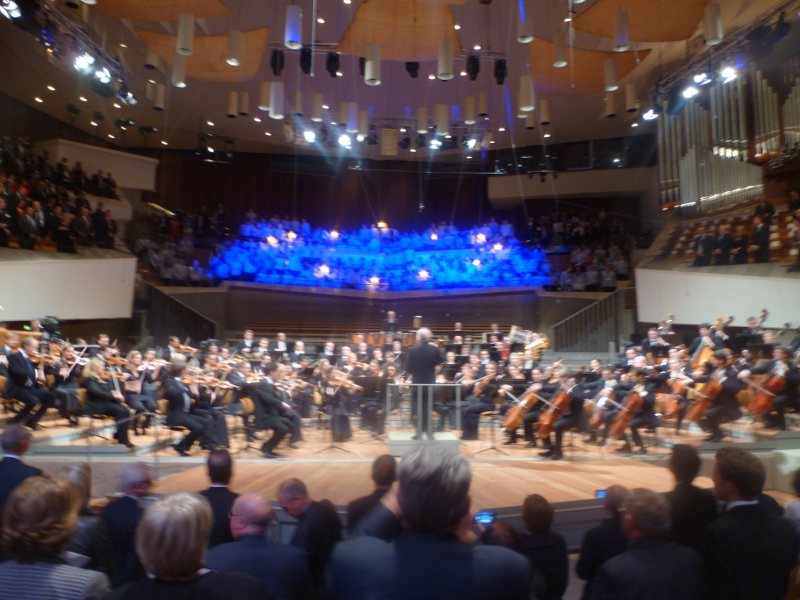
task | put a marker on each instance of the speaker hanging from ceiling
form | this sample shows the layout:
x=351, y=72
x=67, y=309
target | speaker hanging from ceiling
x=276, y=61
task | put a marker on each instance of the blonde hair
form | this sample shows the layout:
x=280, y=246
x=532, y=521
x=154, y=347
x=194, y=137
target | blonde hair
x=172, y=536
x=93, y=367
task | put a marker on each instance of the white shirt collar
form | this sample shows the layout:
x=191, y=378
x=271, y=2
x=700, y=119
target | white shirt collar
x=731, y=505
x=7, y=455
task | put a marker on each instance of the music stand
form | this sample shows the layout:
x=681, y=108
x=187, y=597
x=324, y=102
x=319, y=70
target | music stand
x=374, y=387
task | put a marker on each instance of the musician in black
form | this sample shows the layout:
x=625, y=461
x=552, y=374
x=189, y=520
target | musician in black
x=703, y=247
x=725, y=407
x=782, y=366
x=484, y=396
x=179, y=395
x=544, y=390
x=67, y=375
x=722, y=246
x=27, y=384
x=102, y=400
x=271, y=411
x=759, y=243
x=138, y=395
x=645, y=387
x=739, y=245
x=710, y=338
x=572, y=418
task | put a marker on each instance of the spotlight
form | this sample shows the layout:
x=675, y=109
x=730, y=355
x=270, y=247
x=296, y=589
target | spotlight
x=423, y=274
x=470, y=143
x=310, y=136
x=126, y=95
x=84, y=62
x=344, y=140
x=473, y=66
x=728, y=74
x=435, y=144
x=305, y=60
x=690, y=92
x=103, y=76
x=332, y=64
x=702, y=79
x=413, y=69
x=500, y=71
x=276, y=62
x=10, y=10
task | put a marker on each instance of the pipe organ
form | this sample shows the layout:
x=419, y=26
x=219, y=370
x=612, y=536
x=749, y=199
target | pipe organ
x=791, y=115
x=767, y=127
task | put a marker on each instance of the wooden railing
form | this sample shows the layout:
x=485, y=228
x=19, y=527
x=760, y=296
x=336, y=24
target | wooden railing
x=596, y=327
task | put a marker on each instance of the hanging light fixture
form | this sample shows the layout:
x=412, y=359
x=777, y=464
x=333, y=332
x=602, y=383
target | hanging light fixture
x=530, y=121
x=422, y=119
x=179, y=70
x=712, y=24
x=372, y=70
x=151, y=60
x=298, y=103
x=483, y=104
x=244, y=104
x=526, y=95
x=611, y=109
x=631, y=103
x=559, y=50
x=234, y=48
x=611, y=75
x=525, y=22
x=363, y=124
x=293, y=34
x=185, y=34
x=441, y=118
x=445, y=70
x=233, y=101
x=160, y=96
x=276, y=100
x=351, y=117
x=263, y=96
x=621, y=40
x=544, y=112
x=469, y=110
x=316, y=108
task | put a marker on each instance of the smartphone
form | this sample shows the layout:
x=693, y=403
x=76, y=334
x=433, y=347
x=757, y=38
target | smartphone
x=600, y=494
x=485, y=517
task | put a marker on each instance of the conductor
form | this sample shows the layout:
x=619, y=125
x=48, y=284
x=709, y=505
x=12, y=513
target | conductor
x=423, y=357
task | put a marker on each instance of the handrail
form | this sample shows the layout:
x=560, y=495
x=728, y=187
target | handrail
x=595, y=328
x=168, y=316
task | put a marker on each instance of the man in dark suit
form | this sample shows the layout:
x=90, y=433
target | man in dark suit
x=722, y=246
x=221, y=499
x=383, y=474
x=15, y=442
x=691, y=507
x=179, y=396
x=428, y=559
x=6, y=222
x=27, y=231
x=122, y=517
x=247, y=344
x=281, y=568
x=703, y=246
x=271, y=412
x=280, y=344
x=605, y=541
x=26, y=383
x=781, y=365
x=421, y=366
x=391, y=324
x=749, y=552
x=706, y=337
x=318, y=525
x=652, y=568
x=759, y=241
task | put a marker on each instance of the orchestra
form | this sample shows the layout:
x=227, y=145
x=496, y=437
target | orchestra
x=716, y=379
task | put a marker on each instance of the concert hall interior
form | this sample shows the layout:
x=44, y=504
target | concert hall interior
x=552, y=244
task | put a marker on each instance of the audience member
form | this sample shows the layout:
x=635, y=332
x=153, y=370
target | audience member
x=318, y=525
x=605, y=541
x=652, y=568
x=281, y=568
x=122, y=517
x=39, y=518
x=427, y=560
x=793, y=509
x=545, y=549
x=221, y=499
x=171, y=540
x=15, y=441
x=749, y=550
x=383, y=474
x=691, y=508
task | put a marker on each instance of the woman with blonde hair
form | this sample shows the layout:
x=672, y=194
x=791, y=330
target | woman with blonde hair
x=39, y=519
x=171, y=541
x=100, y=400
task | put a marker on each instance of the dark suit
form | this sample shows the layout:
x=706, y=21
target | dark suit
x=750, y=553
x=179, y=397
x=270, y=414
x=318, y=529
x=417, y=566
x=600, y=544
x=361, y=506
x=99, y=401
x=547, y=553
x=210, y=586
x=281, y=568
x=121, y=518
x=421, y=365
x=13, y=472
x=703, y=246
x=28, y=232
x=692, y=509
x=651, y=569
x=760, y=238
x=739, y=249
x=22, y=386
x=723, y=243
x=221, y=500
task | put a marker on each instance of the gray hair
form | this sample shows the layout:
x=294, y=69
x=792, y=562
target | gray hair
x=650, y=512
x=79, y=475
x=434, y=487
x=293, y=488
x=13, y=438
x=424, y=334
x=132, y=474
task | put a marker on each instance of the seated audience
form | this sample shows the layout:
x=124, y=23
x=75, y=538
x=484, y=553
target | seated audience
x=172, y=539
x=39, y=519
x=383, y=474
x=15, y=441
x=793, y=509
x=221, y=499
x=281, y=568
x=545, y=549
x=691, y=508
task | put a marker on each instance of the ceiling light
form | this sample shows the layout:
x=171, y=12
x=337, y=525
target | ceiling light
x=412, y=150
x=471, y=144
x=547, y=135
x=83, y=99
x=293, y=37
x=431, y=76
x=210, y=123
x=456, y=26
x=344, y=140
x=38, y=99
x=121, y=45
x=338, y=73
x=492, y=142
x=111, y=136
x=117, y=105
x=728, y=74
x=463, y=73
x=320, y=20
x=325, y=107
x=234, y=58
x=347, y=1
x=267, y=133
x=634, y=124
x=702, y=78
x=164, y=143
x=501, y=129
x=83, y=62
x=650, y=115
x=690, y=92
x=92, y=123
x=435, y=144
x=256, y=119
x=51, y=88
x=403, y=130
x=476, y=47
x=10, y=9
x=310, y=136
x=568, y=20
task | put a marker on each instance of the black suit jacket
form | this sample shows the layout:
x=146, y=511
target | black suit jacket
x=121, y=518
x=221, y=500
x=547, y=553
x=417, y=566
x=361, y=506
x=268, y=404
x=282, y=568
x=422, y=361
x=318, y=529
x=692, y=509
x=600, y=544
x=750, y=553
x=13, y=472
x=760, y=238
x=20, y=372
x=651, y=569
x=174, y=391
x=791, y=375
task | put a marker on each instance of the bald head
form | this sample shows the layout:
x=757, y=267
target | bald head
x=251, y=513
x=424, y=334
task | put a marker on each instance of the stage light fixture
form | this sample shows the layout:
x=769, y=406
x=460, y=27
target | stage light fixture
x=470, y=143
x=148, y=129
x=10, y=9
x=702, y=78
x=412, y=68
x=83, y=63
x=332, y=64
x=473, y=66
x=305, y=60
x=310, y=136
x=344, y=140
x=728, y=74
x=435, y=144
x=500, y=71
x=690, y=92
x=277, y=61
x=362, y=65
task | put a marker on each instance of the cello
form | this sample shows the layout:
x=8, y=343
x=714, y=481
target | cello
x=761, y=403
x=524, y=404
x=632, y=405
x=710, y=392
x=557, y=405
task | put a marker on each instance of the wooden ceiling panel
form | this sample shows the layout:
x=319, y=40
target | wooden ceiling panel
x=159, y=10
x=650, y=21
x=207, y=62
x=407, y=30
x=587, y=69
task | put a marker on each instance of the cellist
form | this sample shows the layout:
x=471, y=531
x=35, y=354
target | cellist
x=540, y=387
x=725, y=406
x=484, y=393
x=781, y=366
x=645, y=387
x=572, y=417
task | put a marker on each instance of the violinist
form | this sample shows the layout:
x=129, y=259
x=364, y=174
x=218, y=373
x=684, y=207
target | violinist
x=180, y=395
x=100, y=400
x=541, y=387
x=725, y=406
x=103, y=339
x=481, y=401
x=645, y=387
x=783, y=367
x=11, y=346
x=653, y=340
x=67, y=373
x=27, y=384
x=284, y=383
x=206, y=407
x=137, y=395
x=571, y=418
x=173, y=348
x=261, y=367
x=605, y=410
x=240, y=378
